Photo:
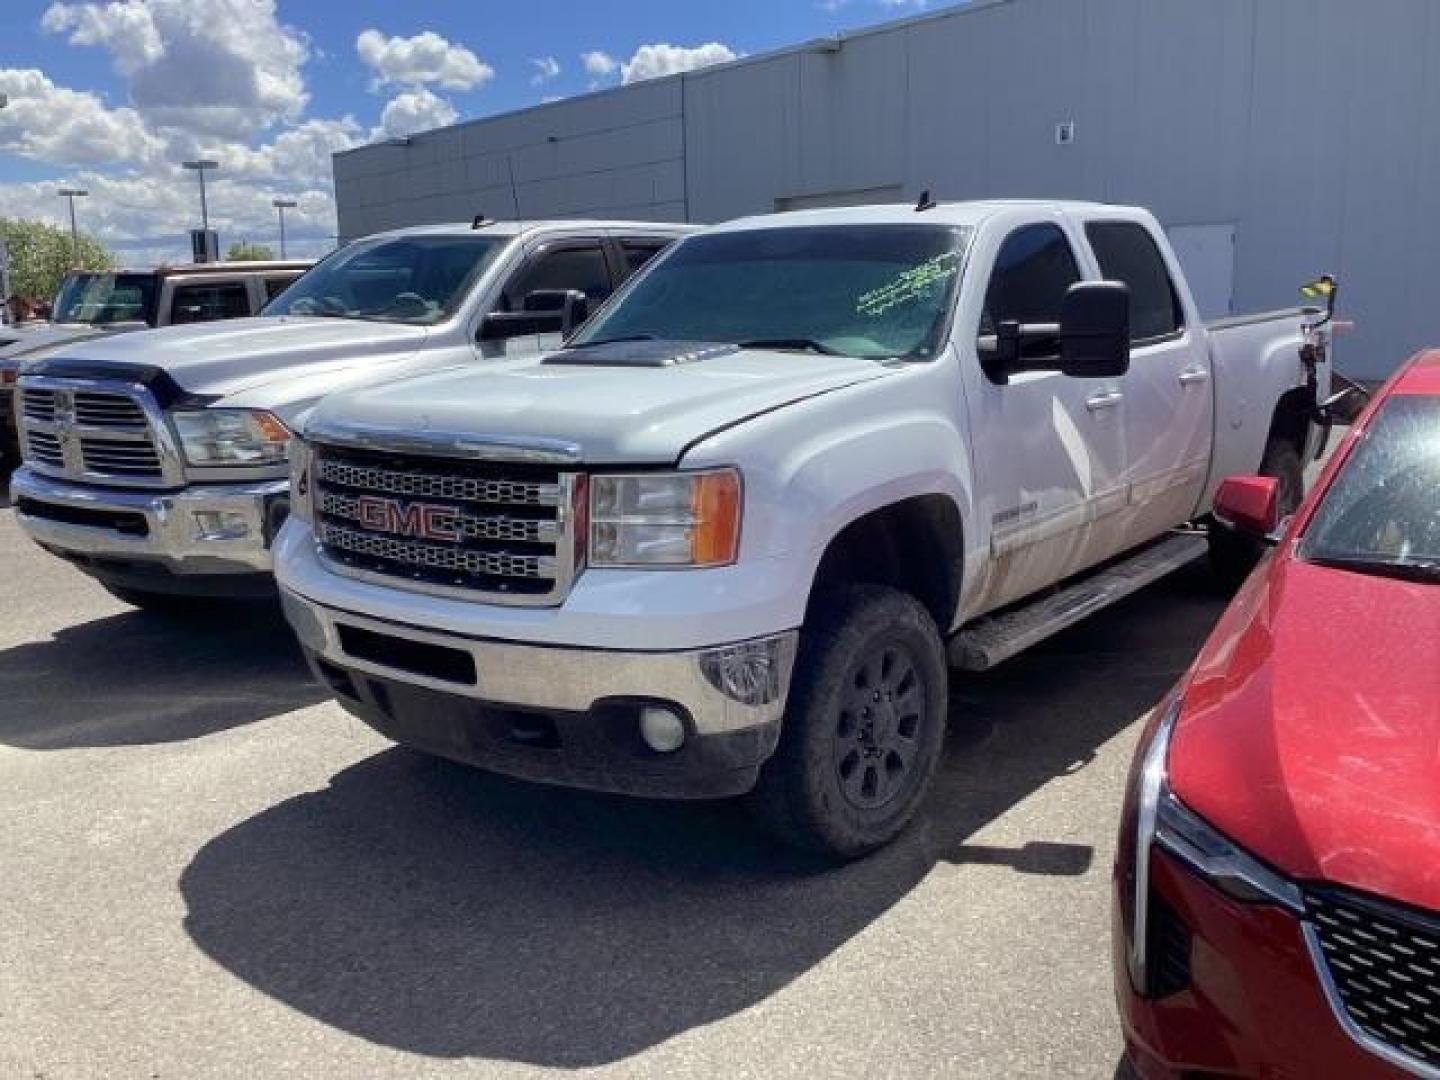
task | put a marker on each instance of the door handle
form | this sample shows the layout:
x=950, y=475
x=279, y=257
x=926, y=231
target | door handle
x=1193, y=375
x=1106, y=400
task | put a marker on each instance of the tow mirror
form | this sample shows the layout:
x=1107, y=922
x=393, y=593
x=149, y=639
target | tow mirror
x=1091, y=340
x=1095, y=330
x=544, y=311
x=572, y=305
x=1249, y=504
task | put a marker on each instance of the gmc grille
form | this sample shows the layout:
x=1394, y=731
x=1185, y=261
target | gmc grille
x=1384, y=961
x=432, y=523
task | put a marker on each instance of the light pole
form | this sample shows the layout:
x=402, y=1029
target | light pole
x=72, y=194
x=281, y=205
x=200, y=167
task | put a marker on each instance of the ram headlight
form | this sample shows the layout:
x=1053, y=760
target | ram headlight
x=240, y=437
x=665, y=519
x=1162, y=820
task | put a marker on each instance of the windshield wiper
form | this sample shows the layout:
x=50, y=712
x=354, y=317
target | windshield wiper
x=799, y=343
x=1423, y=569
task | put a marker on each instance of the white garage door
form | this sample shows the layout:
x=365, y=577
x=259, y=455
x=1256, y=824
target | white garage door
x=1207, y=255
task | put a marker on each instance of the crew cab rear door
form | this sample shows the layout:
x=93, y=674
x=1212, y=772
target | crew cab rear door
x=1169, y=403
x=1048, y=448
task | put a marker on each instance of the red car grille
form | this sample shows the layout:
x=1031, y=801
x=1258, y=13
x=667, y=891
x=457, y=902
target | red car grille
x=1384, y=960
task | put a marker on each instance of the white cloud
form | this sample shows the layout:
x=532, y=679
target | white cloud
x=222, y=68
x=425, y=58
x=662, y=58
x=599, y=63
x=127, y=30
x=143, y=217
x=414, y=110
x=546, y=68
x=57, y=125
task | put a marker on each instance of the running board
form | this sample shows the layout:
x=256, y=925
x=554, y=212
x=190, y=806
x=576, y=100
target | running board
x=995, y=638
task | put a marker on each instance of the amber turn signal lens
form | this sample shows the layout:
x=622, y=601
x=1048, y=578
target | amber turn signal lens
x=716, y=506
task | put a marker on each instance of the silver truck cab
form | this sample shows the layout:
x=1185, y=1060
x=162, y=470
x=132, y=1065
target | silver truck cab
x=157, y=461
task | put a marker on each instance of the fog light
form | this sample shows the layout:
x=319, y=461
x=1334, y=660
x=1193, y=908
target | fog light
x=750, y=672
x=662, y=730
x=221, y=525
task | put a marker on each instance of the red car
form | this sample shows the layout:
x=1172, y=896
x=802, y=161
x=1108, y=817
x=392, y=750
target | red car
x=1277, y=889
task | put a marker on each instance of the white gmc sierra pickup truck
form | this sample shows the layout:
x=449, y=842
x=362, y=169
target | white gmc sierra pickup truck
x=720, y=542
x=156, y=461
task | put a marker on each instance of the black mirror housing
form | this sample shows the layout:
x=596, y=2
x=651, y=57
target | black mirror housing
x=1095, y=330
x=545, y=311
x=572, y=305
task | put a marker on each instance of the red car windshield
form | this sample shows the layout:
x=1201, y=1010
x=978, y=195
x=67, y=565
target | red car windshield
x=1382, y=512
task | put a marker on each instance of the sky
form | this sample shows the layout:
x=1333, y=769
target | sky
x=111, y=96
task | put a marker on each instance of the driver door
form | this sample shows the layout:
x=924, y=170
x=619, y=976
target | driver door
x=1048, y=448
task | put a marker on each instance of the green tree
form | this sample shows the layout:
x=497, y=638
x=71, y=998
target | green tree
x=42, y=254
x=247, y=252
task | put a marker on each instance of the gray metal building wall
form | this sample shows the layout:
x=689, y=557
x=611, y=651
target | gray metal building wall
x=1304, y=127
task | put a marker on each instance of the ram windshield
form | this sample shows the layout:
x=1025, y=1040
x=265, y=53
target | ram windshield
x=872, y=291
x=419, y=280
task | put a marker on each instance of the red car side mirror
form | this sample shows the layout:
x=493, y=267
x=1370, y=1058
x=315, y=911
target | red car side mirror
x=1250, y=504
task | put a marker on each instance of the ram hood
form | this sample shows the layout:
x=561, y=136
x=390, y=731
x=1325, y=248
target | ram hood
x=1311, y=729
x=224, y=358
x=612, y=414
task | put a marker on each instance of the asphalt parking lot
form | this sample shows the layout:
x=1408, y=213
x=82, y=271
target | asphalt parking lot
x=210, y=870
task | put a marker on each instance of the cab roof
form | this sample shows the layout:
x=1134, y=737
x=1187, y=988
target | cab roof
x=521, y=228
x=950, y=213
x=236, y=267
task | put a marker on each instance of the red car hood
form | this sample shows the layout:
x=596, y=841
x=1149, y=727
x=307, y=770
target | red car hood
x=1311, y=729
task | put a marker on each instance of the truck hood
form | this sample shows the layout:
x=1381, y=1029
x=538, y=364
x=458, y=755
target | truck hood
x=21, y=343
x=224, y=358
x=613, y=414
x=1311, y=729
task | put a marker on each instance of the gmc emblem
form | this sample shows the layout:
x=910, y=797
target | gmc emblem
x=424, y=521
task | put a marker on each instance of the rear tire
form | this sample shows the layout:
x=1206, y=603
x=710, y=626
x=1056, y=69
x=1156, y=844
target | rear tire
x=1233, y=555
x=864, y=726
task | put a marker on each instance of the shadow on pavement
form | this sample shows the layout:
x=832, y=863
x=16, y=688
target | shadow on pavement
x=446, y=912
x=139, y=678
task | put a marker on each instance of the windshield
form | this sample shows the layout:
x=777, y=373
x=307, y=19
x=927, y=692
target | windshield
x=419, y=279
x=1382, y=513
x=98, y=299
x=855, y=290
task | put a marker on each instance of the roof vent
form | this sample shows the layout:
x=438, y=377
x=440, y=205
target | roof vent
x=480, y=221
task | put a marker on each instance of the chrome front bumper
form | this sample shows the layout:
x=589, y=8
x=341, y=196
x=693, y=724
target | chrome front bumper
x=199, y=530
x=547, y=678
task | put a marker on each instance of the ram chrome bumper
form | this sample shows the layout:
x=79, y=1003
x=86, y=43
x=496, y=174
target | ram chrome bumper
x=550, y=713
x=221, y=529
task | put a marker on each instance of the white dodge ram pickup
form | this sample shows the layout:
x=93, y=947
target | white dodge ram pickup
x=156, y=461
x=719, y=543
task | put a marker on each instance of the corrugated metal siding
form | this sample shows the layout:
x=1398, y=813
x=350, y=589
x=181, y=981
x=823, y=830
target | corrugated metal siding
x=1307, y=125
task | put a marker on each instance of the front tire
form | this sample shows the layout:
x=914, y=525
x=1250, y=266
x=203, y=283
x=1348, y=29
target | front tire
x=864, y=726
x=1232, y=555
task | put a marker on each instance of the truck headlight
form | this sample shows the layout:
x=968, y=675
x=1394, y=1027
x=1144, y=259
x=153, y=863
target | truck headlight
x=246, y=437
x=665, y=519
x=1162, y=820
